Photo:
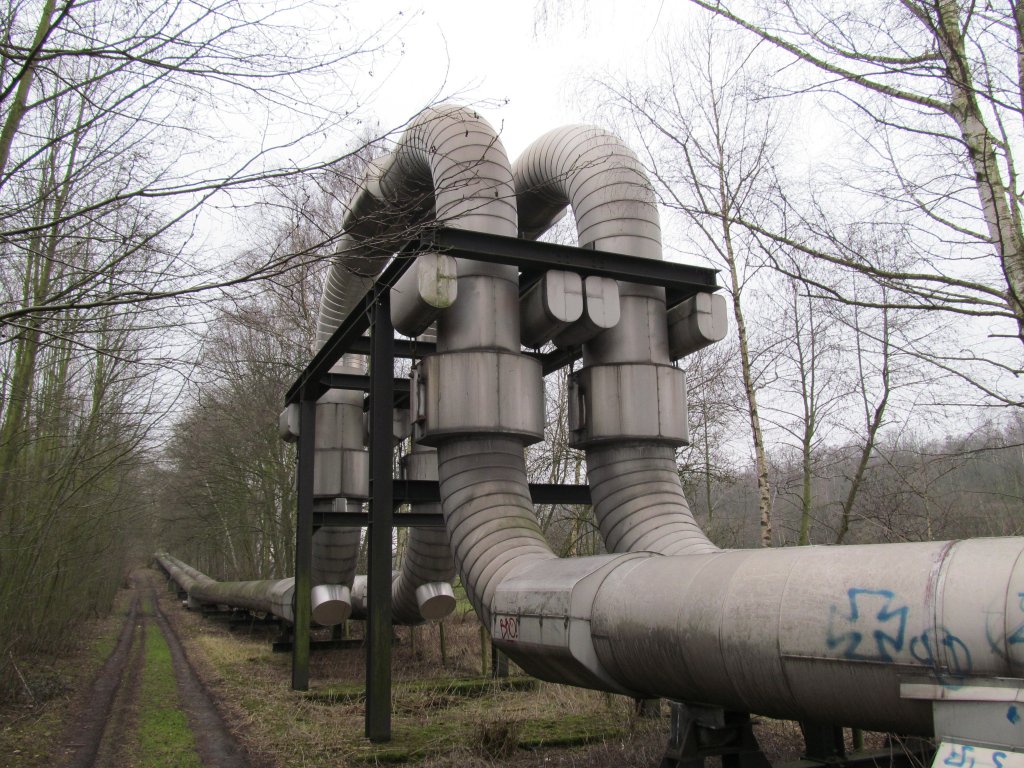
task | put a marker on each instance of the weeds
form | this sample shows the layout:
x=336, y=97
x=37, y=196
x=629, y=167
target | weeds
x=165, y=739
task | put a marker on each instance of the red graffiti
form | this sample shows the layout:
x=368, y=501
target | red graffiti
x=508, y=626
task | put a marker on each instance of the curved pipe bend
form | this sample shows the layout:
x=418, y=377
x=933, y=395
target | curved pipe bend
x=447, y=159
x=601, y=179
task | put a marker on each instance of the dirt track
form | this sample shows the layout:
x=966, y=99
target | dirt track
x=100, y=733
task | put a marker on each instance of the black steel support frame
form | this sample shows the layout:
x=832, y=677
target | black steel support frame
x=378, y=624
x=532, y=258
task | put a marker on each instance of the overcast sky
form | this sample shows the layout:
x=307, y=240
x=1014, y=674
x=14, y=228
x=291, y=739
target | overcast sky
x=503, y=51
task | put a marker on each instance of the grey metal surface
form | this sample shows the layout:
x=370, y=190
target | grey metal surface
x=423, y=292
x=330, y=604
x=550, y=306
x=422, y=592
x=483, y=391
x=271, y=596
x=989, y=713
x=695, y=323
x=628, y=404
x=818, y=633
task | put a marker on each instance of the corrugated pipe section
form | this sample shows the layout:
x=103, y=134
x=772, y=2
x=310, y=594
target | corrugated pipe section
x=423, y=590
x=489, y=514
x=445, y=156
x=486, y=500
x=637, y=497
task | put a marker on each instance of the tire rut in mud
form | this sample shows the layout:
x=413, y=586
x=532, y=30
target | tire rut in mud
x=216, y=746
x=103, y=729
x=85, y=735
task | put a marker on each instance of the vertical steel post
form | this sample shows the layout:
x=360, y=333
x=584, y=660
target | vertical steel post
x=303, y=544
x=378, y=625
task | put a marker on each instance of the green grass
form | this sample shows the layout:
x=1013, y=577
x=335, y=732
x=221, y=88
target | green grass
x=165, y=739
x=417, y=690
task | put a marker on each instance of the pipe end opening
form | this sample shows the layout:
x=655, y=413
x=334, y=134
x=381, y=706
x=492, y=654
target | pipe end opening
x=436, y=600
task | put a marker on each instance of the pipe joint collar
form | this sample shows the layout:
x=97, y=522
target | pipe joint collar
x=541, y=618
x=341, y=472
x=483, y=392
x=627, y=401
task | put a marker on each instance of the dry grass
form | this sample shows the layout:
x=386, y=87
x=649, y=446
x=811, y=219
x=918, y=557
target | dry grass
x=41, y=690
x=443, y=715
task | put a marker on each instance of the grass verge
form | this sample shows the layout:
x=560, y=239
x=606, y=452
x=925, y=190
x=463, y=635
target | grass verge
x=165, y=739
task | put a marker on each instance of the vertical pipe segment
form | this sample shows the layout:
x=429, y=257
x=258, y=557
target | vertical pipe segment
x=631, y=402
x=422, y=590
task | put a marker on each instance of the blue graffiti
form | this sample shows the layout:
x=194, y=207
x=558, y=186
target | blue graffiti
x=1012, y=714
x=871, y=612
x=997, y=758
x=958, y=759
x=957, y=657
x=1017, y=636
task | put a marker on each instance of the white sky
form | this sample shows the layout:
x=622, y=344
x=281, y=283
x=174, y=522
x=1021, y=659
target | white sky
x=497, y=51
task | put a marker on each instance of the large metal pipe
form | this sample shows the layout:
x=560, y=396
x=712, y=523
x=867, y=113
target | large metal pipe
x=184, y=575
x=637, y=497
x=820, y=633
x=271, y=596
x=422, y=590
x=398, y=190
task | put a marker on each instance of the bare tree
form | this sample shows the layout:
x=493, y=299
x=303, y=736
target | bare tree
x=711, y=145
x=809, y=390
x=715, y=408
x=933, y=94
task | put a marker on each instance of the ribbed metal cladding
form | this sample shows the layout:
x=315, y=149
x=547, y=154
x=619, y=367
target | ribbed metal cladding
x=639, y=502
x=488, y=514
x=485, y=497
x=612, y=199
x=637, y=497
x=335, y=551
x=428, y=558
x=451, y=156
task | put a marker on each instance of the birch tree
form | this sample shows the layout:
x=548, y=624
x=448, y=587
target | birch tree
x=931, y=93
x=710, y=145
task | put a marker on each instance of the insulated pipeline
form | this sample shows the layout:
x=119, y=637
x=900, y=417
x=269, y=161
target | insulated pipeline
x=273, y=596
x=826, y=634
x=488, y=514
x=637, y=497
x=184, y=575
x=422, y=589
x=448, y=156
x=639, y=502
